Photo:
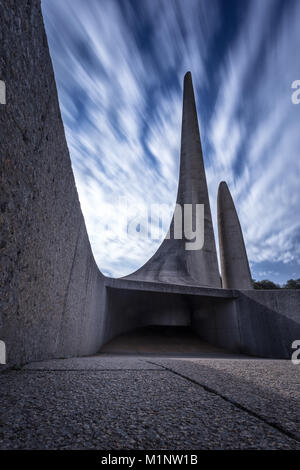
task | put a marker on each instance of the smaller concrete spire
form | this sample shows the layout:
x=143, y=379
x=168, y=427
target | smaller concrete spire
x=234, y=261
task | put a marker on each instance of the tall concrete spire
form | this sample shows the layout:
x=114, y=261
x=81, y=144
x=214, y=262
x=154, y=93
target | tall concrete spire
x=234, y=261
x=172, y=262
x=202, y=265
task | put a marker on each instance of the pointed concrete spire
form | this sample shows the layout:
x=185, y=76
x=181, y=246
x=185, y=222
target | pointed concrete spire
x=234, y=261
x=202, y=265
x=172, y=262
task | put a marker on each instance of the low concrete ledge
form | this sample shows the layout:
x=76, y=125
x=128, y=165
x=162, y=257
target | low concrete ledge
x=284, y=301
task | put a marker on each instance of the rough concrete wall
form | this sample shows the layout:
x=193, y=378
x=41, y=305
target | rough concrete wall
x=257, y=323
x=216, y=321
x=52, y=292
x=269, y=322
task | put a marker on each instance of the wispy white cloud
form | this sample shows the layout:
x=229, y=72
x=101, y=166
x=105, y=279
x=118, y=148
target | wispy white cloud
x=122, y=122
x=254, y=132
x=119, y=68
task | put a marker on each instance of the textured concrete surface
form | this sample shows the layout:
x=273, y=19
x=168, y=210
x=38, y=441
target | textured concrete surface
x=269, y=321
x=268, y=389
x=257, y=323
x=51, y=289
x=169, y=288
x=172, y=263
x=97, y=362
x=108, y=403
x=235, y=268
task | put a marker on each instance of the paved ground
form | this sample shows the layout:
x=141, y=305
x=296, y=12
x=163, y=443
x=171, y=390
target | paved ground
x=162, y=339
x=112, y=402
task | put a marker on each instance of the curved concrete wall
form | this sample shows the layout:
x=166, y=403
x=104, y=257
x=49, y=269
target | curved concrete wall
x=52, y=293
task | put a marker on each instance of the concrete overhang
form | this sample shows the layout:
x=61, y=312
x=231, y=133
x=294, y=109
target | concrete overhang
x=147, y=286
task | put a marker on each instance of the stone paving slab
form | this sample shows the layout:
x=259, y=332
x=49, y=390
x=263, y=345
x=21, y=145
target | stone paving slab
x=269, y=388
x=98, y=362
x=124, y=409
x=129, y=407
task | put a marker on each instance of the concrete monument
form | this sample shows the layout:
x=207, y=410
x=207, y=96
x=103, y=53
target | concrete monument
x=173, y=262
x=55, y=302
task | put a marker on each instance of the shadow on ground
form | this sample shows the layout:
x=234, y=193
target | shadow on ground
x=160, y=340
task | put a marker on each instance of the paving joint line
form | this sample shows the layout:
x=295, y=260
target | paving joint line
x=92, y=370
x=234, y=403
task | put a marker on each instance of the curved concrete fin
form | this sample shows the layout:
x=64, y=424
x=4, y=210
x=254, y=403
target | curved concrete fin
x=234, y=261
x=172, y=262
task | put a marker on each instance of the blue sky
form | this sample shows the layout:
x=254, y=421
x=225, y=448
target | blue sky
x=119, y=67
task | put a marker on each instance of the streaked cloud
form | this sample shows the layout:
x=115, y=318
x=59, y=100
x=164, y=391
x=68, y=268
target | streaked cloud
x=119, y=67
